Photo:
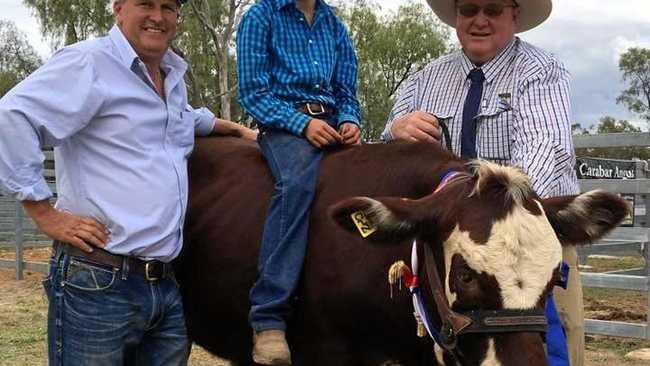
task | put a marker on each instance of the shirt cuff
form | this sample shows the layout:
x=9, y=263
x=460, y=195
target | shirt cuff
x=205, y=123
x=298, y=124
x=39, y=191
x=347, y=118
x=387, y=135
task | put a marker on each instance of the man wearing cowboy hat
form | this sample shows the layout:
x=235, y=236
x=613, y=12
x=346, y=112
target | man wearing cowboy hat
x=503, y=100
x=115, y=110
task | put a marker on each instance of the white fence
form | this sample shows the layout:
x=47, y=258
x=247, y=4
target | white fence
x=623, y=241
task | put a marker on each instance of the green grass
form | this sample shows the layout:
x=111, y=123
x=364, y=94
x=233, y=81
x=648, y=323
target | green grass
x=23, y=315
x=613, y=264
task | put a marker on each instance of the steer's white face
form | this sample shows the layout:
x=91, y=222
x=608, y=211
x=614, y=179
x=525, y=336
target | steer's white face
x=521, y=253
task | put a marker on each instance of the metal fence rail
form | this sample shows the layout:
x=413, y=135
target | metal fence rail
x=636, y=241
x=22, y=226
x=623, y=241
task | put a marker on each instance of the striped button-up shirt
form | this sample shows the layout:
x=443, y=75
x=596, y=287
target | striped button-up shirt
x=120, y=149
x=282, y=62
x=524, y=116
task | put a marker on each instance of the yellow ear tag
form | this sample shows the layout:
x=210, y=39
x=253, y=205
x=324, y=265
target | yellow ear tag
x=363, y=224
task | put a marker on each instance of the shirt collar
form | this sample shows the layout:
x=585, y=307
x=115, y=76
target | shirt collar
x=279, y=4
x=491, y=68
x=170, y=61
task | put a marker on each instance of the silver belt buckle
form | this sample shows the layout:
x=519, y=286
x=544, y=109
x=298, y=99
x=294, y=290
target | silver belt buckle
x=322, y=109
x=148, y=276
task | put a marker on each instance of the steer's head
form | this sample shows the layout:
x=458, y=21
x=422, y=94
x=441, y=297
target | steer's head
x=500, y=243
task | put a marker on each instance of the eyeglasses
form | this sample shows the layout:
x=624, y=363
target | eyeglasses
x=491, y=10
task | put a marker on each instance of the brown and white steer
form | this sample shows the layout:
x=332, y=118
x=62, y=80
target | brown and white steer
x=497, y=246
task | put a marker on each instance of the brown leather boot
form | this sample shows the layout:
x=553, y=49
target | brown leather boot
x=270, y=348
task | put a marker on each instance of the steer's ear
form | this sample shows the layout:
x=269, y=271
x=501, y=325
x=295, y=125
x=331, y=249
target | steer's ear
x=383, y=219
x=586, y=217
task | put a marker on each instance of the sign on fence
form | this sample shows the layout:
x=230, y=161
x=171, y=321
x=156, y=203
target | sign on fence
x=596, y=168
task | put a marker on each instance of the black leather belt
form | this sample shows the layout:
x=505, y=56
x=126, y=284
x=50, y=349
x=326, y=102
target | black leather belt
x=315, y=109
x=152, y=270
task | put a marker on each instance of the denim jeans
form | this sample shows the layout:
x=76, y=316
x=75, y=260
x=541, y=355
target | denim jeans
x=99, y=315
x=294, y=163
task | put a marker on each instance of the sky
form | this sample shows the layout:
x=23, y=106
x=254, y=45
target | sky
x=587, y=35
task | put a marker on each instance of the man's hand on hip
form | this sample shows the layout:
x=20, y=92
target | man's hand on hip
x=350, y=133
x=320, y=134
x=416, y=126
x=82, y=232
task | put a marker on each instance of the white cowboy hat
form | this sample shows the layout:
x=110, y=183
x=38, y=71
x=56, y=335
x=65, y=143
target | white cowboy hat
x=531, y=14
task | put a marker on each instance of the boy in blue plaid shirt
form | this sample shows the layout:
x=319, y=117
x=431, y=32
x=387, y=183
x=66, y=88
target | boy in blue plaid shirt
x=297, y=74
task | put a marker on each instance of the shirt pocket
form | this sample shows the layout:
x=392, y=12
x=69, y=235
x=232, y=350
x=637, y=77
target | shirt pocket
x=494, y=132
x=181, y=130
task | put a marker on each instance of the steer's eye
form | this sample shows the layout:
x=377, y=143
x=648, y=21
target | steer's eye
x=465, y=277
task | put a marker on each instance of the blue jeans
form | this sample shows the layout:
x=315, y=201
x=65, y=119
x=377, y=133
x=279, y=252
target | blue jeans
x=99, y=315
x=294, y=163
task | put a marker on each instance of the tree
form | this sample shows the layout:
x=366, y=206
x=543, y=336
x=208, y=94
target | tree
x=390, y=47
x=611, y=125
x=69, y=21
x=577, y=129
x=635, y=65
x=207, y=39
x=18, y=58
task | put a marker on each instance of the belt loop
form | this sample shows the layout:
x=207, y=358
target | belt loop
x=58, y=251
x=125, y=268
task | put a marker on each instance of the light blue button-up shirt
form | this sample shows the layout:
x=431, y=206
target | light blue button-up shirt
x=120, y=150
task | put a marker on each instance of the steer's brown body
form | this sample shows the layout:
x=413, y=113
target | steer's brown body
x=343, y=311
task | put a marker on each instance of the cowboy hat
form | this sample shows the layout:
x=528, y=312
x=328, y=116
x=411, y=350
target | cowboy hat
x=531, y=14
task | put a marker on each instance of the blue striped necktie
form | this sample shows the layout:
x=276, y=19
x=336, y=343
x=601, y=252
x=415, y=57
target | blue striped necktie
x=470, y=110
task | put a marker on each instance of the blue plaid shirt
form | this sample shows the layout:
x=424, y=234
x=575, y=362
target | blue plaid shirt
x=282, y=62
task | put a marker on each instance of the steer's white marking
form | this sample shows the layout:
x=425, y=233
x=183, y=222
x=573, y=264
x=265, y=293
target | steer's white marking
x=517, y=183
x=521, y=253
x=491, y=355
x=438, y=352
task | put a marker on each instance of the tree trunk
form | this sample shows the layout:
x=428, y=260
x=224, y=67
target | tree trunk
x=223, y=84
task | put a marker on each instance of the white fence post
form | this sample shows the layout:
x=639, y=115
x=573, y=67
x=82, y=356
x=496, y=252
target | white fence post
x=18, y=224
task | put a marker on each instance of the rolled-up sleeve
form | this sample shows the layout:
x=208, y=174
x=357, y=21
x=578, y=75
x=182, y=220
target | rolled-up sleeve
x=253, y=72
x=52, y=104
x=203, y=120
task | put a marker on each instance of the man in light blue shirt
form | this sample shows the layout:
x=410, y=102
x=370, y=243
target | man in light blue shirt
x=115, y=109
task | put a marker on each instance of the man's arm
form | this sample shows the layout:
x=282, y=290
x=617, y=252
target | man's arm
x=407, y=123
x=36, y=112
x=65, y=227
x=228, y=128
x=542, y=144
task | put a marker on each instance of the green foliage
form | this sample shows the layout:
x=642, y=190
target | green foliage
x=390, y=47
x=69, y=21
x=17, y=57
x=609, y=124
x=206, y=38
x=635, y=65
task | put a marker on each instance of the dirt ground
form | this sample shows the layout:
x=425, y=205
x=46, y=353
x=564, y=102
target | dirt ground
x=23, y=312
